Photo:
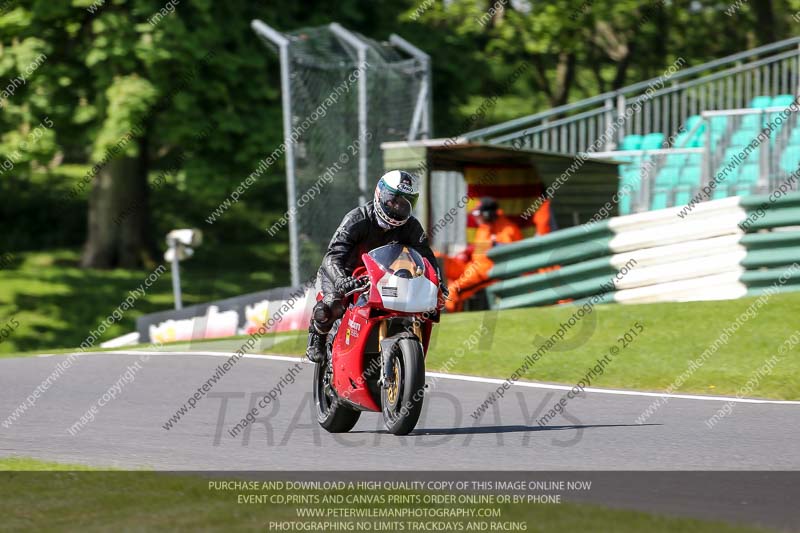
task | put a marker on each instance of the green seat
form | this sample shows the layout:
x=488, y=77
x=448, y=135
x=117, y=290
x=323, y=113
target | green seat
x=631, y=142
x=760, y=102
x=779, y=125
x=683, y=194
x=794, y=137
x=718, y=124
x=790, y=158
x=728, y=174
x=782, y=100
x=694, y=160
x=690, y=176
x=691, y=121
x=743, y=137
x=660, y=198
x=743, y=189
x=732, y=154
x=748, y=173
x=720, y=192
x=682, y=140
x=625, y=204
x=667, y=177
x=700, y=140
x=629, y=170
x=753, y=122
x=631, y=183
x=653, y=141
x=675, y=160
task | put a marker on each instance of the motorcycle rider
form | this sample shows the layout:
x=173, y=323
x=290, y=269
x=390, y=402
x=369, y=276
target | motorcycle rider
x=384, y=220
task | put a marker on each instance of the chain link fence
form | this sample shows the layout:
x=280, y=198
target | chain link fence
x=343, y=94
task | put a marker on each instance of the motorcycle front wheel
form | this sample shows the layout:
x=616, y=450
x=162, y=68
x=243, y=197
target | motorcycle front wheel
x=401, y=401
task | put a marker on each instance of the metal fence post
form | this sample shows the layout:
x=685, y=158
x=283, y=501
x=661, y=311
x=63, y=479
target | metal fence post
x=286, y=101
x=361, y=49
x=707, y=152
x=423, y=112
x=765, y=162
x=609, y=114
x=620, y=118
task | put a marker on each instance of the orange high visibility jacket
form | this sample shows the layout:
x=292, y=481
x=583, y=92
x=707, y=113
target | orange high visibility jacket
x=501, y=231
x=541, y=218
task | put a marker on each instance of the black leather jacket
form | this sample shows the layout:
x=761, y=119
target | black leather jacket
x=359, y=233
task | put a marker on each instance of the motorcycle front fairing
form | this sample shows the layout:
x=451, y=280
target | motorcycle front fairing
x=351, y=370
x=402, y=280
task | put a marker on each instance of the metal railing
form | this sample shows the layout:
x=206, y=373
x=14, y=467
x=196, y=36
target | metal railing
x=769, y=151
x=763, y=153
x=726, y=83
x=649, y=163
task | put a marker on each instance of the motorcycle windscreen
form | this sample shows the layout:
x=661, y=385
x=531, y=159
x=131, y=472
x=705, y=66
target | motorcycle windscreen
x=404, y=286
x=399, y=259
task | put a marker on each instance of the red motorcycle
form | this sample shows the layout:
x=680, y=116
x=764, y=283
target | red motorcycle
x=376, y=351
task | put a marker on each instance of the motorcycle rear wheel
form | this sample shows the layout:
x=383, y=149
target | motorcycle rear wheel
x=402, y=402
x=333, y=415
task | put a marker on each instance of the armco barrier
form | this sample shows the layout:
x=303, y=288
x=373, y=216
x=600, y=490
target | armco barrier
x=656, y=256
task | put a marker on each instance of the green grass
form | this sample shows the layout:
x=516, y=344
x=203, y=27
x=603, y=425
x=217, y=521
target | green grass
x=57, y=304
x=674, y=334
x=147, y=501
x=24, y=464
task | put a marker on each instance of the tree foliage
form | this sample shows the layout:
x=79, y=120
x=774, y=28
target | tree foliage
x=117, y=67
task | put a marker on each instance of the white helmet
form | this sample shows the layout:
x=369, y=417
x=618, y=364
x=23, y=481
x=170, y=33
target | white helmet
x=395, y=197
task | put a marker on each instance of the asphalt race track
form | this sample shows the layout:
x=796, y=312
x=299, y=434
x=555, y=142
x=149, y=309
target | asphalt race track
x=598, y=431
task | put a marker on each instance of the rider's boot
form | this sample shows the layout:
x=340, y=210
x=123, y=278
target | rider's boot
x=315, y=351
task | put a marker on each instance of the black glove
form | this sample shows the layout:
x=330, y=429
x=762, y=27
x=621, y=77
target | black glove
x=346, y=284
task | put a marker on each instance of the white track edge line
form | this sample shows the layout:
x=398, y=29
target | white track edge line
x=460, y=377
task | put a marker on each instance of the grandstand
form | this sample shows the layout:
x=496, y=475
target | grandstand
x=701, y=124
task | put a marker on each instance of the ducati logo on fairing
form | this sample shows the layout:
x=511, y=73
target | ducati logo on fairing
x=353, y=329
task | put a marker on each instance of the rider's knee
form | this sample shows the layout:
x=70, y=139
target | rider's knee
x=322, y=316
x=326, y=312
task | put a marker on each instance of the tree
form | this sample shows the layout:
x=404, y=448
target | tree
x=138, y=86
x=129, y=85
x=580, y=48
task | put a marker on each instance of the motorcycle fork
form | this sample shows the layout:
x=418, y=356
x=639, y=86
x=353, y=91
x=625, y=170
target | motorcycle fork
x=387, y=369
x=386, y=359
